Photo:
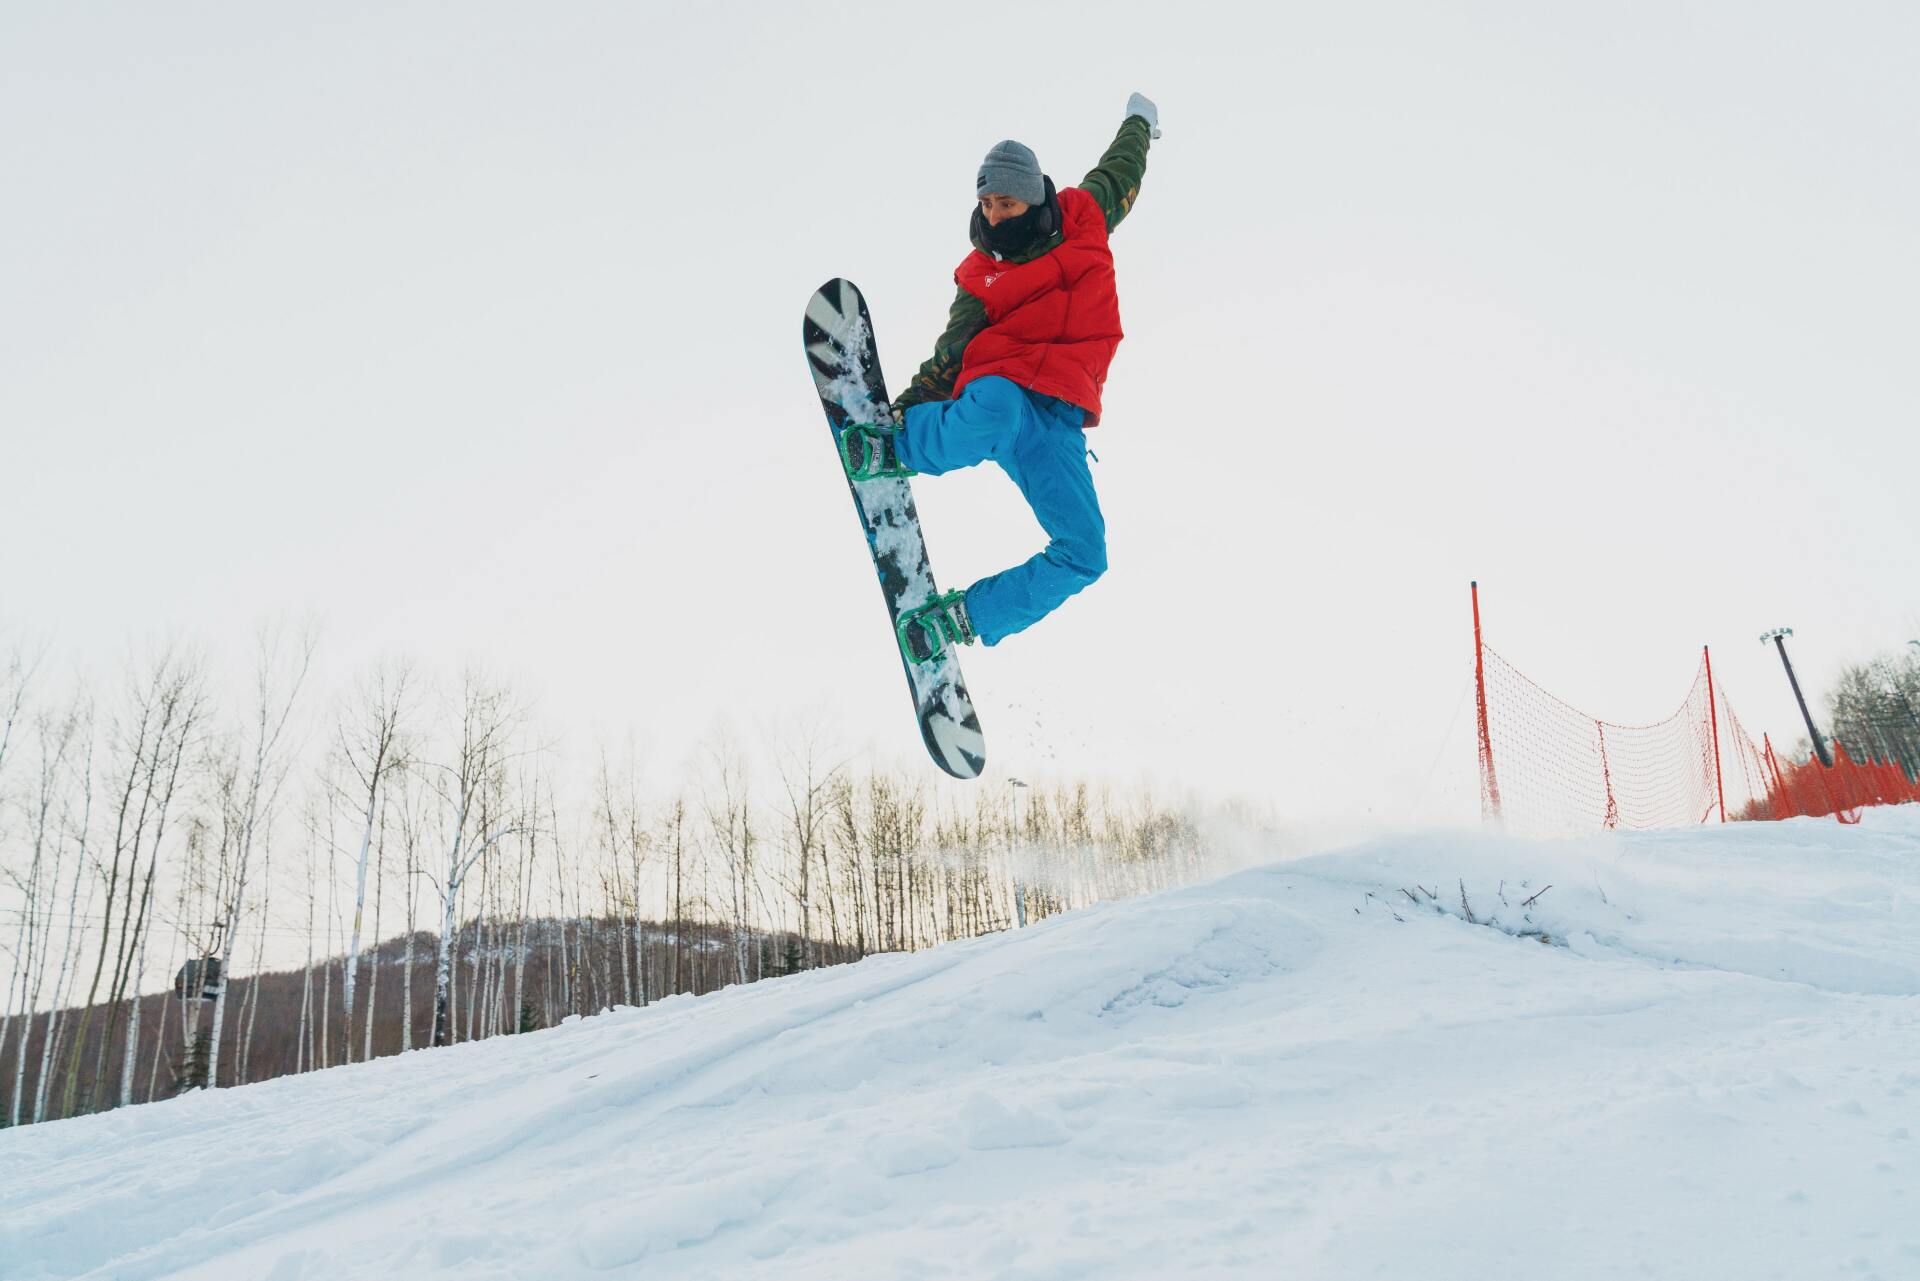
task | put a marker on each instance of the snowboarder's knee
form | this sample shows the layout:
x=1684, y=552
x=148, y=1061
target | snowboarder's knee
x=997, y=401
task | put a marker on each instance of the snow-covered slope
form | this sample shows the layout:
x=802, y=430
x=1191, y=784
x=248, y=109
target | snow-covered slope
x=1710, y=1068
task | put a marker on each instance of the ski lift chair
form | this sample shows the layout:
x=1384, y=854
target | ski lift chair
x=199, y=980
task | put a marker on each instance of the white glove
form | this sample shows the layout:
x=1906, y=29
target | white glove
x=1142, y=106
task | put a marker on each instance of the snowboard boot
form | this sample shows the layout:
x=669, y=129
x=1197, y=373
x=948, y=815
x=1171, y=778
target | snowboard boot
x=869, y=452
x=926, y=632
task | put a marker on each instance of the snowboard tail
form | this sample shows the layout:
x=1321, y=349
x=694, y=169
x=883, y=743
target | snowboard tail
x=838, y=334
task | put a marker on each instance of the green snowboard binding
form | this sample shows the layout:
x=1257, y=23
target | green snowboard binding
x=927, y=631
x=870, y=453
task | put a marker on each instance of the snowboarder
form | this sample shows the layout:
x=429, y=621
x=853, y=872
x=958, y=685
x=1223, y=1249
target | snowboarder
x=1017, y=376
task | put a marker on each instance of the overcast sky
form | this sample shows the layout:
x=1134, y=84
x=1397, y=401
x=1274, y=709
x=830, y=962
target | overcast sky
x=474, y=329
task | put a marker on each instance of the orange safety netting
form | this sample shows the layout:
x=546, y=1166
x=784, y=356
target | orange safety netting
x=1547, y=766
x=1812, y=790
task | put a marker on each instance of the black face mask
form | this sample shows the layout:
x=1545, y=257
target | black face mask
x=1018, y=235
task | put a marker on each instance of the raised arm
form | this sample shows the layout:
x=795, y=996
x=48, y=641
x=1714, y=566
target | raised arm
x=935, y=379
x=1115, y=181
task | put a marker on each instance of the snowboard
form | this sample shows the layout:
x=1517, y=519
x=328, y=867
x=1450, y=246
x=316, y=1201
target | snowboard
x=838, y=334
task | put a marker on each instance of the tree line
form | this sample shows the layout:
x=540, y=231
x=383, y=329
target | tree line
x=1874, y=708
x=408, y=864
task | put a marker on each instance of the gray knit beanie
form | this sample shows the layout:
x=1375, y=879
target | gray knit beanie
x=1012, y=170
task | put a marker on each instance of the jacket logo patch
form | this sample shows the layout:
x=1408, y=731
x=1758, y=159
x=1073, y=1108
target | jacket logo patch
x=988, y=282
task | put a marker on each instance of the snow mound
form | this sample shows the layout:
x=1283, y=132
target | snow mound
x=1674, y=1054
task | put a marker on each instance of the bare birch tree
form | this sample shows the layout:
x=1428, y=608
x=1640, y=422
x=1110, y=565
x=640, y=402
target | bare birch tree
x=807, y=778
x=148, y=755
x=487, y=721
x=729, y=833
x=372, y=751
x=412, y=826
x=283, y=660
x=39, y=888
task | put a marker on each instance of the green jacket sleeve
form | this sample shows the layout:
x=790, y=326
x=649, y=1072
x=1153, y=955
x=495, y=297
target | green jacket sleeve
x=935, y=379
x=1115, y=181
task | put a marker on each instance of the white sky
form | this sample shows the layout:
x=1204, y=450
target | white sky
x=474, y=329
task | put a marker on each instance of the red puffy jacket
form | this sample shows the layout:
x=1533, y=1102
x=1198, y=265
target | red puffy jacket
x=1053, y=323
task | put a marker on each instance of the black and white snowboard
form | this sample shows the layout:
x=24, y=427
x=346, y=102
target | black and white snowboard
x=846, y=370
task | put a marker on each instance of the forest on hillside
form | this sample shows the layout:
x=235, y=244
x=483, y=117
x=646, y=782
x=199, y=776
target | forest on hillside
x=408, y=864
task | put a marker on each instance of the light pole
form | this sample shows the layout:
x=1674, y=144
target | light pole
x=1019, y=887
x=1779, y=638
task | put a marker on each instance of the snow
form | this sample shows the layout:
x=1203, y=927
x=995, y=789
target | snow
x=1696, y=1055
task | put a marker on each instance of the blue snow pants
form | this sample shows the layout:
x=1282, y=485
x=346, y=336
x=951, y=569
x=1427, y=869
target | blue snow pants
x=1038, y=441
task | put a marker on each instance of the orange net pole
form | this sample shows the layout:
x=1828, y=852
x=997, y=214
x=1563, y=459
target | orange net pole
x=1713, y=710
x=1489, y=781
